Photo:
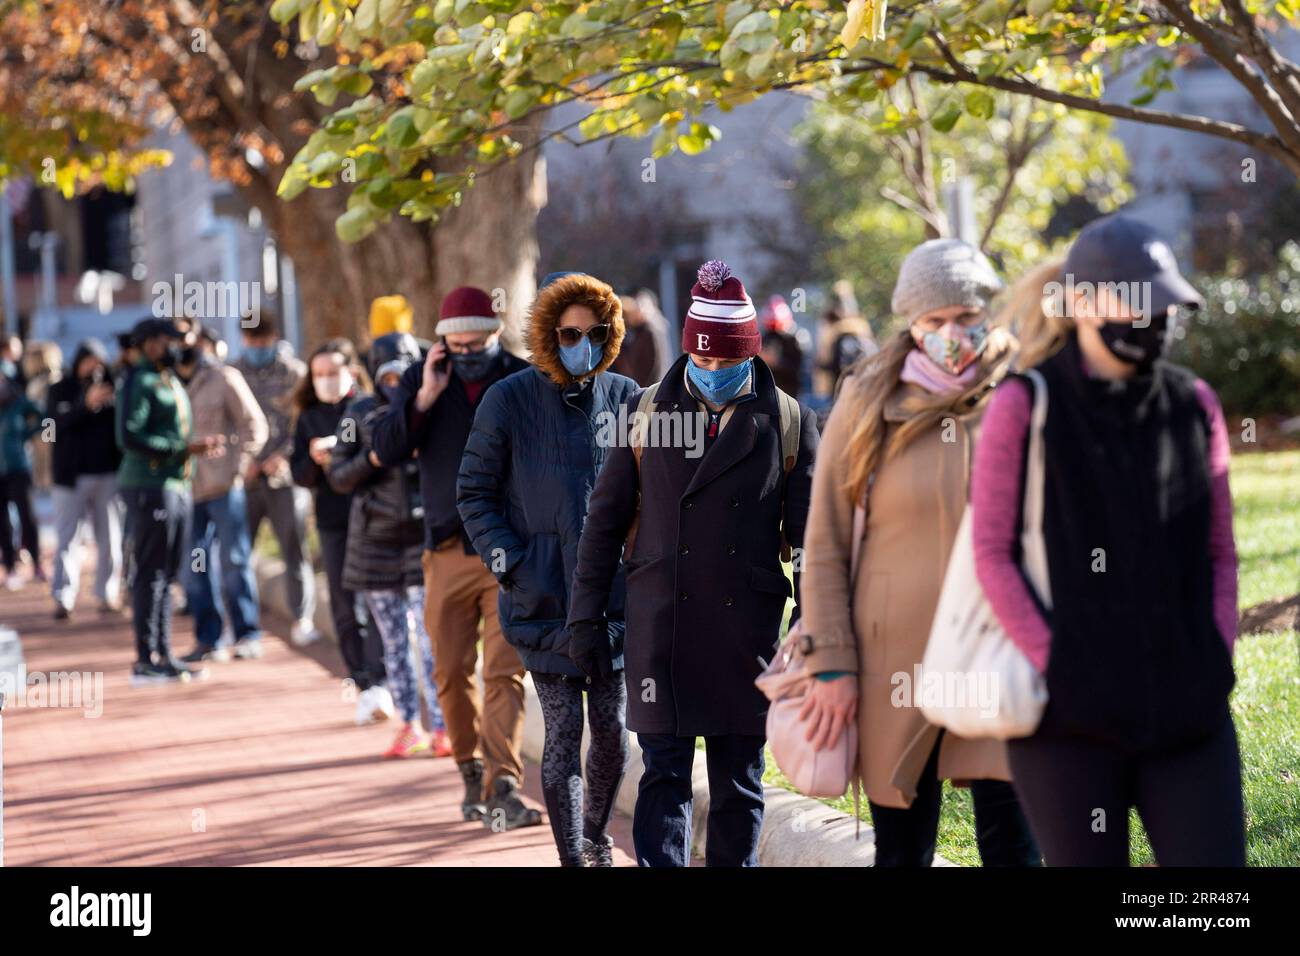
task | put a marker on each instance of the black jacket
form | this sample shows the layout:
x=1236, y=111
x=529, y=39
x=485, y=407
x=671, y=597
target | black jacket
x=530, y=464
x=705, y=589
x=385, y=521
x=439, y=435
x=85, y=442
x=317, y=421
x=1137, y=659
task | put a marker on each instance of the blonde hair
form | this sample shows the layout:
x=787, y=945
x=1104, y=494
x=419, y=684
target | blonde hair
x=868, y=385
x=1032, y=315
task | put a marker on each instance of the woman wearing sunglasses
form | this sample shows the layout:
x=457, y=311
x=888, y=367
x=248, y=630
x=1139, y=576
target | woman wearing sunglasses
x=529, y=466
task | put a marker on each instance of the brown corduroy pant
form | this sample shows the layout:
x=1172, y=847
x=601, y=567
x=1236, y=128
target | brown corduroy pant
x=459, y=593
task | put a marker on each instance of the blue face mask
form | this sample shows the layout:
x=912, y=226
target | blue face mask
x=581, y=358
x=259, y=356
x=720, y=386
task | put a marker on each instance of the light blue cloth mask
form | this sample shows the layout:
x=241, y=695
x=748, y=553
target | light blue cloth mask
x=721, y=385
x=580, y=359
x=259, y=356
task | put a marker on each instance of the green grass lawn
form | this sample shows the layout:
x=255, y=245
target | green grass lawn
x=1266, y=700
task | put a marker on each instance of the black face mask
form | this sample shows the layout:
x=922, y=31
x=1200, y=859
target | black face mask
x=474, y=366
x=170, y=357
x=1139, y=346
x=188, y=355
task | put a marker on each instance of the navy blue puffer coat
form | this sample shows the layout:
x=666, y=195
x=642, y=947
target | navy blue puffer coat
x=528, y=470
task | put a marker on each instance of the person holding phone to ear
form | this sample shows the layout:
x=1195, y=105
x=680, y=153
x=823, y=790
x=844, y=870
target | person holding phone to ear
x=335, y=377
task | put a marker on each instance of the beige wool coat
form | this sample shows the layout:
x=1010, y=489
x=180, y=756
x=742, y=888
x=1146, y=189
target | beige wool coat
x=879, y=627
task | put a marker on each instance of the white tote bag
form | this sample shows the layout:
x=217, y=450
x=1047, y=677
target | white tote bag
x=975, y=681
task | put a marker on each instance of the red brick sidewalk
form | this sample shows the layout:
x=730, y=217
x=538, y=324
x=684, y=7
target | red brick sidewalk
x=259, y=764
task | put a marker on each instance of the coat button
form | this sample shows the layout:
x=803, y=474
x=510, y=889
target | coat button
x=683, y=596
x=683, y=550
x=727, y=602
x=688, y=504
x=735, y=502
x=731, y=550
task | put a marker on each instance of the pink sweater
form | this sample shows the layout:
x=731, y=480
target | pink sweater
x=995, y=498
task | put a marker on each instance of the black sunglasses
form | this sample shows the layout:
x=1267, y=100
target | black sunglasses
x=598, y=334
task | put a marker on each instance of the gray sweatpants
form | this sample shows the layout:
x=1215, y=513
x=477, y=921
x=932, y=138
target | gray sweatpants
x=93, y=499
x=286, y=508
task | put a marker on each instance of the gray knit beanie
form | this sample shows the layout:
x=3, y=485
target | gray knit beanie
x=941, y=273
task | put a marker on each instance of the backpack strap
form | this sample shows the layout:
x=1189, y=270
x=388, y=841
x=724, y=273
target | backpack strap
x=637, y=437
x=642, y=421
x=790, y=425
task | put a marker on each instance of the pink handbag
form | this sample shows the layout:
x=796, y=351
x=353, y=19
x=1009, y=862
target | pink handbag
x=816, y=773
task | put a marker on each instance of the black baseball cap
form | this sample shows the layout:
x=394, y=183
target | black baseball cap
x=149, y=328
x=1119, y=248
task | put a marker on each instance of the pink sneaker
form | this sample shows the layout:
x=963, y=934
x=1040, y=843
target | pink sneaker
x=440, y=745
x=408, y=742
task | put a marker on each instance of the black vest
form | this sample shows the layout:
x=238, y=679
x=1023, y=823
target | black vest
x=1136, y=656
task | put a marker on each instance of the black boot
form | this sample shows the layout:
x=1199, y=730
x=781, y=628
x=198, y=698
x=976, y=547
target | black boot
x=598, y=852
x=559, y=811
x=505, y=811
x=472, y=807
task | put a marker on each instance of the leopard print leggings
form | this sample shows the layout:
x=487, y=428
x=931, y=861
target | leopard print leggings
x=561, y=701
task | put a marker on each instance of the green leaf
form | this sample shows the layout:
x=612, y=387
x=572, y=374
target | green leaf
x=916, y=29
x=946, y=118
x=357, y=84
x=293, y=182
x=355, y=224
x=282, y=11
x=980, y=104
x=401, y=130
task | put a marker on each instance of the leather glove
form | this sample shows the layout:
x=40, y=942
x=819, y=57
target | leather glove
x=589, y=648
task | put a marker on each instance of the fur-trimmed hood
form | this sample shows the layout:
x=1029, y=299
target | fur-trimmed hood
x=573, y=289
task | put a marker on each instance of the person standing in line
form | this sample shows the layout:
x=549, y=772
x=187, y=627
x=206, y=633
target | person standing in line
x=898, y=442
x=20, y=421
x=782, y=350
x=1136, y=649
x=222, y=405
x=272, y=371
x=843, y=337
x=84, y=464
x=153, y=431
x=385, y=545
x=335, y=378
x=706, y=593
x=644, y=354
x=530, y=464
x=42, y=370
x=430, y=416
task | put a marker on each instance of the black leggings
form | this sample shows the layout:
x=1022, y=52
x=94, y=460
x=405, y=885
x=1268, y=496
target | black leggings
x=359, y=642
x=17, y=487
x=905, y=838
x=1077, y=793
x=561, y=701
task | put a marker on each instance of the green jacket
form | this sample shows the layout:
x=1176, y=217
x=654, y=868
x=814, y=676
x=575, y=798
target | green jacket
x=153, y=429
x=20, y=419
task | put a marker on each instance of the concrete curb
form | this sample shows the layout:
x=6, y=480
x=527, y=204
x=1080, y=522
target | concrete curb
x=797, y=830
